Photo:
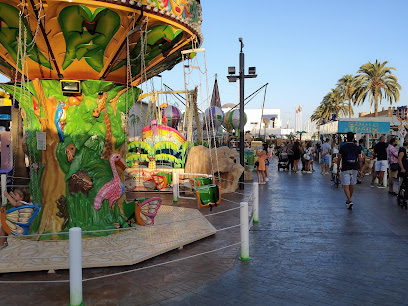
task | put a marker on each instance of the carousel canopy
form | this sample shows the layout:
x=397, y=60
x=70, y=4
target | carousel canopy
x=96, y=40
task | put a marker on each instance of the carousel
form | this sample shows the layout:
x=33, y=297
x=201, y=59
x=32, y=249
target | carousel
x=75, y=70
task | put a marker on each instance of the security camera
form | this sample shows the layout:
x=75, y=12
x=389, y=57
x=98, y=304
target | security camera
x=240, y=39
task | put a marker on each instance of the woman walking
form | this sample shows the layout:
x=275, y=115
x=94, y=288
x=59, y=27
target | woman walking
x=269, y=154
x=261, y=164
x=392, y=156
x=403, y=162
x=296, y=156
x=308, y=157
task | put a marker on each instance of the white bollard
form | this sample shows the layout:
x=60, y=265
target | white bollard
x=75, y=266
x=255, y=199
x=175, y=186
x=3, y=188
x=244, y=231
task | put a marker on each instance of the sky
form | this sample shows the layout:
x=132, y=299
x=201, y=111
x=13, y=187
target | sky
x=301, y=48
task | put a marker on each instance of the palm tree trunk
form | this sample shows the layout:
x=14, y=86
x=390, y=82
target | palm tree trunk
x=349, y=108
x=376, y=106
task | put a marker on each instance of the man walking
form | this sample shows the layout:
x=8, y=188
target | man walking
x=381, y=165
x=325, y=157
x=351, y=163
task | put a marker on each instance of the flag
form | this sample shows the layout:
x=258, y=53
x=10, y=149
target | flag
x=215, y=99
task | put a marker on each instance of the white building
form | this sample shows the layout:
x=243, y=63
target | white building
x=269, y=121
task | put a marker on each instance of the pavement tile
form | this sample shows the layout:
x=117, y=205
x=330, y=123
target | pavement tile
x=307, y=249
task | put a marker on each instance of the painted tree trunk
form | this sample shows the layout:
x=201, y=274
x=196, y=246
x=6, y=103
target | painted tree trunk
x=82, y=132
x=52, y=182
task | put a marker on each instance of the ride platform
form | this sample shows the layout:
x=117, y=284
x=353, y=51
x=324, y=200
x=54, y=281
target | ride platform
x=174, y=227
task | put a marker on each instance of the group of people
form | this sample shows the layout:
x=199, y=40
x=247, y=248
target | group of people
x=299, y=151
x=353, y=161
x=348, y=163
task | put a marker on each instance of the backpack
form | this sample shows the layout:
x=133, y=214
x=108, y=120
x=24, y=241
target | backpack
x=351, y=156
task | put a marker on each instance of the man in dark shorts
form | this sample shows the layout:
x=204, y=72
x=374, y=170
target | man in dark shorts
x=351, y=163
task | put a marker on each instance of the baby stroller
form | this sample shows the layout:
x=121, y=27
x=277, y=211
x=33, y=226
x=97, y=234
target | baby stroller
x=283, y=162
x=403, y=192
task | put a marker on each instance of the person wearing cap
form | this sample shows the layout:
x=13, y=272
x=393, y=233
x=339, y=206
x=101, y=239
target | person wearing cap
x=351, y=162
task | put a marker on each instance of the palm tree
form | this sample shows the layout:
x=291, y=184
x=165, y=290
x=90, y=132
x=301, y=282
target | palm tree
x=332, y=103
x=300, y=133
x=134, y=120
x=376, y=82
x=346, y=89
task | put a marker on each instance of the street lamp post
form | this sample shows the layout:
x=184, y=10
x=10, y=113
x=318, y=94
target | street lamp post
x=233, y=78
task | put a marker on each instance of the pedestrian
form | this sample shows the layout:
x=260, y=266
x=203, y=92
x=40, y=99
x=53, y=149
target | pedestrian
x=381, y=165
x=325, y=157
x=296, y=156
x=392, y=156
x=290, y=155
x=312, y=157
x=403, y=162
x=267, y=161
x=260, y=170
x=308, y=157
x=350, y=160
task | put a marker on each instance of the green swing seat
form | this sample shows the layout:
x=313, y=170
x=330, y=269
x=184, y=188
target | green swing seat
x=208, y=195
x=202, y=181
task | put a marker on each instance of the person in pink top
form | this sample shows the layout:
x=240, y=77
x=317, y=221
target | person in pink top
x=392, y=157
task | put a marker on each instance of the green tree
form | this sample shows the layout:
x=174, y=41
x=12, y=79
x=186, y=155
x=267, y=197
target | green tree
x=376, y=82
x=346, y=90
x=134, y=120
x=332, y=103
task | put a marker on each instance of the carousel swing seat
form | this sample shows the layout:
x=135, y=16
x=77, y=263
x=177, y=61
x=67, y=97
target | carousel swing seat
x=202, y=181
x=17, y=220
x=208, y=195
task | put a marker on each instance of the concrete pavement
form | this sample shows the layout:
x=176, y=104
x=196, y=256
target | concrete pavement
x=308, y=249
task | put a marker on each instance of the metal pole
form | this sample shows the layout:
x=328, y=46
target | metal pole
x=175, y=186
x=255, y=198
x=241, y=112
x=3, y=188
x=244, y=231
x=75, y=266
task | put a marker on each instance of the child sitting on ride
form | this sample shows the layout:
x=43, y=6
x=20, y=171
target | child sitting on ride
x=20, y=196
x=335, y=174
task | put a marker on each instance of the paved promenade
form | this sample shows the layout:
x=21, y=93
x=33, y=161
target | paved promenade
x=308, y=249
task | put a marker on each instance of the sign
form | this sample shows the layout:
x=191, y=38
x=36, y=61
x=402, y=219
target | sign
x=256, y=145
x=5, y=102
x=364, y=127
x=41, y=141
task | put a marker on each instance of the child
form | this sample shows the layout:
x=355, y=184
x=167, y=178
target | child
x=20, y=196
x=334, y=173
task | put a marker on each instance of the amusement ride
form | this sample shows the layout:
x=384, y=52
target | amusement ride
x=79, y=73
